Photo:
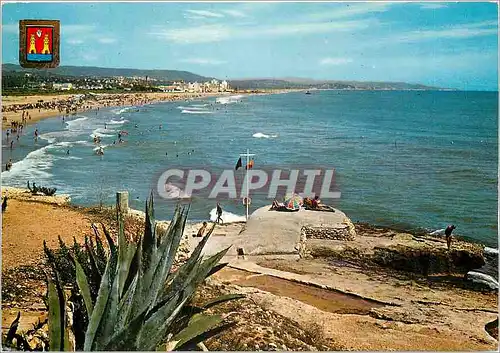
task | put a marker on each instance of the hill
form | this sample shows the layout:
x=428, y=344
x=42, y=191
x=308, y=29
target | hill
x=297, y=83
x=243, y=84
x=92, y=71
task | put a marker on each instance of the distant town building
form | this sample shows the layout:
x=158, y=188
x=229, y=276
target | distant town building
x=62, y=86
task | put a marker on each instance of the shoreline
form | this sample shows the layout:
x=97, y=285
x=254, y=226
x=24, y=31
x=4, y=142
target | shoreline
x=23, y=194
x=98, y=101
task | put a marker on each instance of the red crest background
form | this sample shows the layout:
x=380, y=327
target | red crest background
x=38, y=40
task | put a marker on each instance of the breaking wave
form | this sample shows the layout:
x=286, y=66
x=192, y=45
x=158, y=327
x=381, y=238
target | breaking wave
x=261, y=135
x=229, y=99
x=227, y=217
x=185, y=111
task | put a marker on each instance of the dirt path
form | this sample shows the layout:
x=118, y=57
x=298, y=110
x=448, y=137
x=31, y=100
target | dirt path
x=25, y=225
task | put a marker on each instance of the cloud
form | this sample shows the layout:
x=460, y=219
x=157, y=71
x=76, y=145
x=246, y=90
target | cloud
x=432, y=6
x=352, y=10
x=10, y=28
x=204, y=13
x=234, y=13
x=74, y=41
x=107, y=40
x=335, y=61
x=76, y=29
x=454, y=32
x=220, y=32
x=203, y=61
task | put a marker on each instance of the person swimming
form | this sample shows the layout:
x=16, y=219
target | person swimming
x=8, y=165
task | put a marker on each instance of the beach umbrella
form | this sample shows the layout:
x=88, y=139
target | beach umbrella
x=294, y=203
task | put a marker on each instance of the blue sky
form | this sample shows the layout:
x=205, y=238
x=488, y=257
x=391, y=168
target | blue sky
x=443, y=44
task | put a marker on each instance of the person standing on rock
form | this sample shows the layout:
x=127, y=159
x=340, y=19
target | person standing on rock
x=219, y=214
x=448, y=232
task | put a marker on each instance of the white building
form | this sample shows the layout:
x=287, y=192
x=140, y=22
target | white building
x=62, y=86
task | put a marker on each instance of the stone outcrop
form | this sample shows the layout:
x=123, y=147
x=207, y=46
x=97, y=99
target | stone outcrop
x=273, y=232
x=345, y=231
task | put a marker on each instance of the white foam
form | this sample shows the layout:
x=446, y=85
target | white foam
x=119, y=111
x=196, y=112
x=261, y=135
x=229, y=99
x=482, y=278
x=491, y=251
x=200, y=105
x=438, y=232
x=35, y=167
x=117, y=122
x=227, y=217
x=97, y=132
x=193, y=107
x=174, y=192
x=76, y=124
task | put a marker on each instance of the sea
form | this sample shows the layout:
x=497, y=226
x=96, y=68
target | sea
x=415, y=160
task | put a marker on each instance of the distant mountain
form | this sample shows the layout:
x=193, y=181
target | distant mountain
x=91, y=71
x=244, y=84
x=305, y=83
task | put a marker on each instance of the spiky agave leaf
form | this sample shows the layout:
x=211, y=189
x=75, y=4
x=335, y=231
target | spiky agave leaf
x=137, y=305
x=57, y=314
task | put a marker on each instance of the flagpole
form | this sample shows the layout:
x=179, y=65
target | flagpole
x=248, y=161
x=248, y=154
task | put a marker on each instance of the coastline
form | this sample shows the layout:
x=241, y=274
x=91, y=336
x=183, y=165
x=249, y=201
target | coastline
x=395, y=308
x=101, y=100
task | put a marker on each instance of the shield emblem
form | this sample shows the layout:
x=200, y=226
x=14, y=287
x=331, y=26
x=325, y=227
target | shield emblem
x=39, y=43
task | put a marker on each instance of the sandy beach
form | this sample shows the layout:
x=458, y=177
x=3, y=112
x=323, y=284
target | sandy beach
x=40, y=107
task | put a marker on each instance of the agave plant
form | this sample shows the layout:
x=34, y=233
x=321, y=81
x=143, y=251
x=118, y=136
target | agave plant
x=141, y=303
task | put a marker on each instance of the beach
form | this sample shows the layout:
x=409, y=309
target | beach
x=11, y=113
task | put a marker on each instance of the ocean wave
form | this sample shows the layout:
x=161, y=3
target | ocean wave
x=97, y=132
x=185, y=111
x=119, y=111
x=191, y=107
x=200, y=105
x=174, y=192
x=261, y=135
x=35, y=166
x=490, y=251
x=229, y=99
x=76, y=124
x=117, y=122
x=227, y=217
x=438, y=232
x=54, y=136
x=69, y=157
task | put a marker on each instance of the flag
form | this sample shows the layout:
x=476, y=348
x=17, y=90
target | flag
x=238, y=164
x=249, y=165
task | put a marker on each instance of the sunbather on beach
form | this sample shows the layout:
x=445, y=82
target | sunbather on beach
x=201, y=231
x=277, y=205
